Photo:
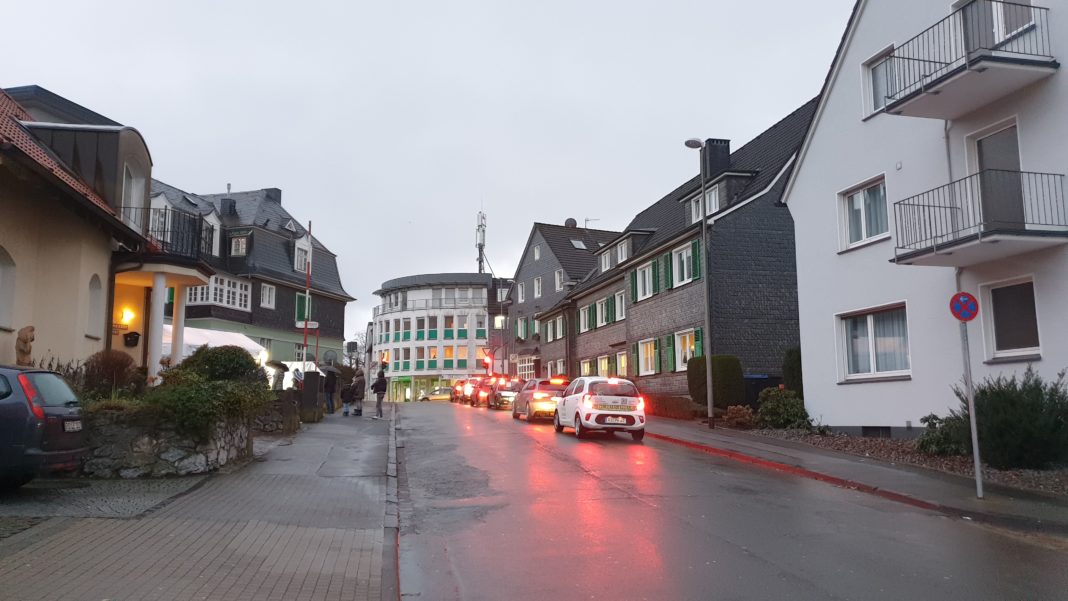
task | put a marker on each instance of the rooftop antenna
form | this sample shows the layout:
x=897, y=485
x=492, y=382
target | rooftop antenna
x=586, y=223
x=480, y=241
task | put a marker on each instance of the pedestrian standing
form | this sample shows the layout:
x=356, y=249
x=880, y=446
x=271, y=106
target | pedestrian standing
x=359, y=390
x=379, y=388
x=346, y=399
x=329, y=388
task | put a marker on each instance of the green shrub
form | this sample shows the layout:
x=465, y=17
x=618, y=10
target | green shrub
x=195, y=404
x=791, y=371
x=110, y=373
x=780, y=408
x=739, y=416
x=728, y=384
x=945, y=436
x=1022, y=423
x=223, y=363
x=673, y=407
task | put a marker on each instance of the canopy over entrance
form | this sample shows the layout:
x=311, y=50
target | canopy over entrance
x=198, y=337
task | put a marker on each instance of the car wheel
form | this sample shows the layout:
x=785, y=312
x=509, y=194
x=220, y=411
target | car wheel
x=580, y=432
x=638, y=435
x=514, y=414
x=530, y=414
x=556, y=423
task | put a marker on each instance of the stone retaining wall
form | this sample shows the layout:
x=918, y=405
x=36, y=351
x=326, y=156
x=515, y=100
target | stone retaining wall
x=282, y=417
x=124, y=447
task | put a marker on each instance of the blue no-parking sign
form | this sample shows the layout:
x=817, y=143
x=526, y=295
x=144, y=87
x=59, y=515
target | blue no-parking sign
x=964, y=306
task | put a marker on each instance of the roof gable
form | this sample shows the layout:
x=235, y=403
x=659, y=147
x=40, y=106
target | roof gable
x=575, y=248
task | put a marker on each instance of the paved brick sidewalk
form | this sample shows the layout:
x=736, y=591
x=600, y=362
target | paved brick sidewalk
x=304, y=522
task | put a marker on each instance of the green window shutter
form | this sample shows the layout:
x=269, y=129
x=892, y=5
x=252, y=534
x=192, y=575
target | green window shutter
x=669, y=267
x=698, y=343
x=517, y=327
x=656, y=353
x=593, y=316
x=697, y=266
x=302, y=309
x=633, y=286
x=634, y=358
x=170, y=296
x=611, y=365
x=610, y=309
x=669, y=351
x=656, y=276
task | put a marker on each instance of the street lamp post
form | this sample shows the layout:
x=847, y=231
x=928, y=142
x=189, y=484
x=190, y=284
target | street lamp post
x=705, y=344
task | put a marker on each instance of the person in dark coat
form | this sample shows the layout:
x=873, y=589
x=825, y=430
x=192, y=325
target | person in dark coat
x=359, y=390
x=379, y=388
x=330, y=387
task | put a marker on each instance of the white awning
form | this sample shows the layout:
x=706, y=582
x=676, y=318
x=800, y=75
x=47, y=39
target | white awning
x=198, y=337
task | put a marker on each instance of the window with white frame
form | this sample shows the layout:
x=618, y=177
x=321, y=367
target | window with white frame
x=502, y=294
x=522, y=291
x=865, y=214
x=711, y=205
x=559, y=275
x=621, y=364
x=222, y=291
x=550, y=333
x=876, y=343
x=267, y=296
x=298, y=352
x=498, y=322
x=645, y=281
x=621, y=252
x=537, y=287
x=1011, y=325
x=301, y=263
x=602, y=366
x=621, y=305
x=560, y=371
x=560, y=333
x=521, y=328
x=602, y=312
x=537, y=252
x=647, y=357
x=880, y=72
x=606, y=261
x=682, y=258
x=535, y=327
x=238, y=246
x=584, y=319
x=585, y=367
x=525, y=368
x=685, y=349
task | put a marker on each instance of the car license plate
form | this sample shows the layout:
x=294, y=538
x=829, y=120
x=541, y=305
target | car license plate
x=72, y=426
x=615, y=420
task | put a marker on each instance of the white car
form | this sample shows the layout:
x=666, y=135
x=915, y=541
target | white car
x=603, y=405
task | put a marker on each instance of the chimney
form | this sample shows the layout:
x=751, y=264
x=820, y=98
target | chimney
x=717, y=156
x=274, y=195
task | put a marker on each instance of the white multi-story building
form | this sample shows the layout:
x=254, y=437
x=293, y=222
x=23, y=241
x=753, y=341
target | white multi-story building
x=434, y=329
x=934, y=164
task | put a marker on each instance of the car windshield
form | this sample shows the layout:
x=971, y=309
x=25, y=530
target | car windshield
x=552, y=387
x=53, y=390
x=512, y=386
x=619, y=388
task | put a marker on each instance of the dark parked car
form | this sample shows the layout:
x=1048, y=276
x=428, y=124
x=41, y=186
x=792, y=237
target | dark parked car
x=40, y=425
x=538, y=398
x=504, y=392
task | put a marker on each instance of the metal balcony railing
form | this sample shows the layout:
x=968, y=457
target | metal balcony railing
x=425, y=304
x=981, y=29
x=173, y=232
x=983, y=204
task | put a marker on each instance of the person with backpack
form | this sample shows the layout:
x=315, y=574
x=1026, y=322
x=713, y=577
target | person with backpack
x=359, y=389
x=379, y=388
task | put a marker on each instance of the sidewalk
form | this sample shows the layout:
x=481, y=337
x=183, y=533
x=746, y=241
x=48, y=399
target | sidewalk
x=305, y=520
x=946, y=493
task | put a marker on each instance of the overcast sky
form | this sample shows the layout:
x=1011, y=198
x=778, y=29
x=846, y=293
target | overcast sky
x=389, y=124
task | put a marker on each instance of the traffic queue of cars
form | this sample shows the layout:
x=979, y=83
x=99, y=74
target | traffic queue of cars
x=40, y=425
x=586, y=404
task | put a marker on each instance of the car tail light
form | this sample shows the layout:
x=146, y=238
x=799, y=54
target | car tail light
x=587, y=401
x=483, y=393
x=557, y=381
x=641, y=403
x=31, y=396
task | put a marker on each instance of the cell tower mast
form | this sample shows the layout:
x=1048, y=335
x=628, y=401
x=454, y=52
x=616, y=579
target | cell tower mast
x=480, y=241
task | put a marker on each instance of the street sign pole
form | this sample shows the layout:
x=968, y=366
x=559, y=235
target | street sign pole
x=964, y=308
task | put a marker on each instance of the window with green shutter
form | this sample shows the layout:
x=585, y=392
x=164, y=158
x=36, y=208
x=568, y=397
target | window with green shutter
x=611, y=366
x=656, y=276
x=633, y=286
x=656, y=351
x=303, y=307
x=634, y=359
x=610, y=309
x=698, y=270
x=669, y=281
x=698, y=343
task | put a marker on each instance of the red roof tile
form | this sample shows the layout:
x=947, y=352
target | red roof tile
x=14, y=133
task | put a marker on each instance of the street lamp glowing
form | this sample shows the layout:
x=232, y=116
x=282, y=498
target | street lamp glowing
x=694, y=143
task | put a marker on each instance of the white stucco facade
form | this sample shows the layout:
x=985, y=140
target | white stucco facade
x=848, y=148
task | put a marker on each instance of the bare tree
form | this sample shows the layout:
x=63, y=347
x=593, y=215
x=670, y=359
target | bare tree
x=355, y=359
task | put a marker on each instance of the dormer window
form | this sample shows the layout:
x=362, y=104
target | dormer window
x=302, y=254
x=712, y=196
x=238, y=246
x=606, y=262
x=621, y=252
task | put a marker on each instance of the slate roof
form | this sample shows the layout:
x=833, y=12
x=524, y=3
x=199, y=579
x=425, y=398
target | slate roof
x=72, y=111
x=766, y=155
x=271, y=254
x=577, y=262
x=425, y=280
x=182, y=200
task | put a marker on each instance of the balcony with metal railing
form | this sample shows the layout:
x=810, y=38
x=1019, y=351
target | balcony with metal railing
x=983, y=51
x=984, y=217
x=172, y=233
x=431, y=304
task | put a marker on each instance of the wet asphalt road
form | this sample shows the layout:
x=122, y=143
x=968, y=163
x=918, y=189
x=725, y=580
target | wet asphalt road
x=495, y=509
